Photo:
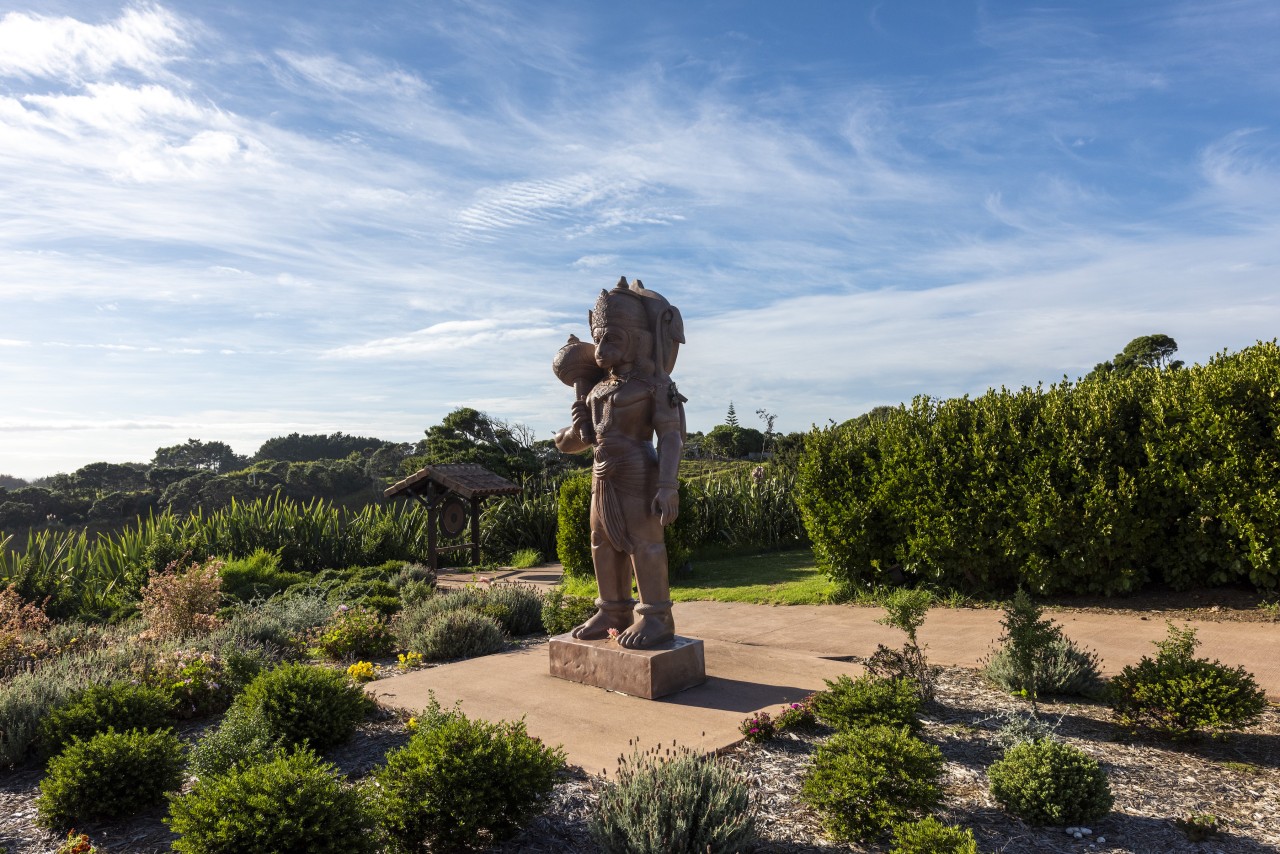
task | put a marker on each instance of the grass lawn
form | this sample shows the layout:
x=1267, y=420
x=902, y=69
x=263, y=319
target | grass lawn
x=774, y=578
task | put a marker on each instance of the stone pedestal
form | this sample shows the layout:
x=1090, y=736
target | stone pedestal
x=648, y=673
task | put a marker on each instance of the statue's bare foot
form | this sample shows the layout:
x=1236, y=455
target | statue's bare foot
x=648, y=631
x=598, y=624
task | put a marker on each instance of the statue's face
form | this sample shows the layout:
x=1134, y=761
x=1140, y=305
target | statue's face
x=612, y=346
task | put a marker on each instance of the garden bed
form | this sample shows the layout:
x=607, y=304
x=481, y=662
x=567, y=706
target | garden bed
x=1236, y=779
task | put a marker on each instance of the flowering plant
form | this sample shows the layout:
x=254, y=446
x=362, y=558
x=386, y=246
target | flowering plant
x=354, y=631
x=361, y=671
x=195, y=680
x=409, y=660
x=758, y=728
x=797, y=715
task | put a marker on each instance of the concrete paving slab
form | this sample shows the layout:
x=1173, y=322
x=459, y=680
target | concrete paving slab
x=965, y=636
x=594, y=725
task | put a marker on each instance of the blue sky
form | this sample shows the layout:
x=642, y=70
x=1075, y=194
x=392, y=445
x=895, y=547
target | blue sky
x=238, y=220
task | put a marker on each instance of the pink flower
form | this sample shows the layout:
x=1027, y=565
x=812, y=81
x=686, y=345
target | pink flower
x=613, y=633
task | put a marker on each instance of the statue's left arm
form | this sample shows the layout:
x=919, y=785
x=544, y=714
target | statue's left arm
x=668, y=424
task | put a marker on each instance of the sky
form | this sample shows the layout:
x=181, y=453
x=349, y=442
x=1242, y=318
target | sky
x=240, y=220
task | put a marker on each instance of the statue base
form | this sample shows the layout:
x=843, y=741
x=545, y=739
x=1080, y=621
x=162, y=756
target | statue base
x=649, y=673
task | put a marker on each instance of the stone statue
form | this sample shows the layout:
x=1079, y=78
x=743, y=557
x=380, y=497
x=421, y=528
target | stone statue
x=625, y=397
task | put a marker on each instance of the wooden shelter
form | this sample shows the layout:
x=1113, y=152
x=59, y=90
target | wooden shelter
x=452, y=495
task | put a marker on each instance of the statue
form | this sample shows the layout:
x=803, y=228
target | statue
x=624, y=398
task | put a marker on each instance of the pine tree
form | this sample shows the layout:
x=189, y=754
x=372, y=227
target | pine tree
x=732, y=418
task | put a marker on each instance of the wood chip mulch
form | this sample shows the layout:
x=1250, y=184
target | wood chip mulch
x=1155, y=783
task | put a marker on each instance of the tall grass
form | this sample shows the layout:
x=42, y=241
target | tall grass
x=745, y=508
x=94, y=576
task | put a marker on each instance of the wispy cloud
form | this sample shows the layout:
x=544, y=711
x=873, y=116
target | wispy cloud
x=142, y=38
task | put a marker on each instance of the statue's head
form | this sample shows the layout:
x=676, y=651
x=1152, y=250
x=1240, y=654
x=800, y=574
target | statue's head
x=632, y=325
x=620, y=328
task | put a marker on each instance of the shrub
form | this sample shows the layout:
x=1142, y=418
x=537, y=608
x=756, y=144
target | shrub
x=355, y=631
x=291, y=801
x=905, y=610
x=196, y=682
x=1046, y=782
x=1018, y=726
x=19, y=617
x=1181, y=696
x=930, y=836
x=257, y=576
x=680, y=804
x=1061, y=667
x=460, y=783
x=27, y=699
x=850, y=703
x=301, y=702
x=177, y=603
x=77, y=843
x=573, y=529
x=411, y=623
x=278, y=623
x=797, y=716
x=758, y=728
x=865, y=780
x=96, y=709
x=111, y=775
x=1035, y=657
x=523, y=604
x=561, y=612
x=461, y=634
x=243, y=736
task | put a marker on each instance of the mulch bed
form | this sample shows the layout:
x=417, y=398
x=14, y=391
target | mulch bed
x=1236, y=779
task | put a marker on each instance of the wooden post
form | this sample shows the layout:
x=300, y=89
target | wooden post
x=433, y=519
x=475, y=531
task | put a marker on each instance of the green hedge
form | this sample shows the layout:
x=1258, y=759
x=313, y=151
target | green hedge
x=1095, y=486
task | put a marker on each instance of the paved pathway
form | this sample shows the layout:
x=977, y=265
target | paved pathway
x=760, y=656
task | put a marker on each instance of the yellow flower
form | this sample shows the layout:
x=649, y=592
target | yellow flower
x=411, y=725
x=409, y=661
x=361, y=671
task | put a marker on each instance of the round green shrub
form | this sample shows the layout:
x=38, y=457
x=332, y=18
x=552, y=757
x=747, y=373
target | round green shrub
x=242, y=736
x=523, y=604
x=457, y=634
x=868, y=700
x=930, y=836
x=355, y=631
x=411, y=623
x=119, y=705
x=291, y=801
x=863, y=781
x=460, y=783
x=561, y=612
x=300, y=702
x=112, y=775
x=1180, y=696
x=1060, y=667
x=1045, y=782
x=686, y=804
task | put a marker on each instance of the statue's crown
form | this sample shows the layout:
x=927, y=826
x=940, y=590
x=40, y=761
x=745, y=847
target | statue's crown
x=620, y=306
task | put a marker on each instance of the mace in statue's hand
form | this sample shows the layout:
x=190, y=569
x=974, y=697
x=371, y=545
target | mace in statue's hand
x=666, y=504
x=581, y=414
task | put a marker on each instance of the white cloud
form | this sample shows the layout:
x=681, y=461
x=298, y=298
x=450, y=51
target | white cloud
x=143, y=38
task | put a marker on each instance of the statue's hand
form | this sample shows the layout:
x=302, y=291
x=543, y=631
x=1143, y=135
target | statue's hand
x=581, y=414
x=666, y=504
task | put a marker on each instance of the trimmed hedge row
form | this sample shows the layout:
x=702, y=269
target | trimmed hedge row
x=1095, y=486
